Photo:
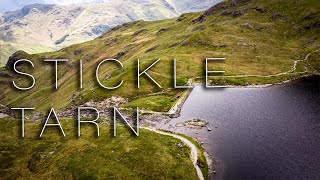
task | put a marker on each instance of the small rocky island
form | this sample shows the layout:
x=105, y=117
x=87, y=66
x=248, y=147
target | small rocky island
x=194, y=124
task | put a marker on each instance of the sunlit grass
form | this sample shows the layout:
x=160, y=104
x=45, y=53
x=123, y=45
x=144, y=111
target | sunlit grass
x=149, y=156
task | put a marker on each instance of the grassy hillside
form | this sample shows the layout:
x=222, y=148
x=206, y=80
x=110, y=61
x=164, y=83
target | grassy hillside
x=257, y=37
x=5, y=51
x=150, y=156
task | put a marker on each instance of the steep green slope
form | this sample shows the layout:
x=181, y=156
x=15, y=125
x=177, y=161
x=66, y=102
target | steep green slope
x=260, y=39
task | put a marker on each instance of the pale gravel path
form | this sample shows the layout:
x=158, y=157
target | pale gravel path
x=291, y=71
x=193, y=148
x=283, y=73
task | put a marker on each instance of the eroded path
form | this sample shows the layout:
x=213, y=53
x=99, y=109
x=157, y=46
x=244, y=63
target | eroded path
x=291, y=71
x=193, y=148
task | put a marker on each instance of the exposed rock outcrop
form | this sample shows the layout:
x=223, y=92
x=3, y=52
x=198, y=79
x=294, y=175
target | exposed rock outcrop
x=15, y=57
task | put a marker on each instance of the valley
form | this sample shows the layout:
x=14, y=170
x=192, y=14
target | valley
x=38, y=28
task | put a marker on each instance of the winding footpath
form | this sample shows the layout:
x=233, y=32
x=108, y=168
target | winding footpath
x=291, y=71
x=193, y=148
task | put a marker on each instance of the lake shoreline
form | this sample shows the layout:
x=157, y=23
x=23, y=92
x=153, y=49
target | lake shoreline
x=175, y=110
x=180, y=103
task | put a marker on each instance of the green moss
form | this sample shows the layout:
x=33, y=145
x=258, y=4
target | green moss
x=156, y=103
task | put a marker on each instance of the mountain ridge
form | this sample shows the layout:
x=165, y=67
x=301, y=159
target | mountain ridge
x=39, y=28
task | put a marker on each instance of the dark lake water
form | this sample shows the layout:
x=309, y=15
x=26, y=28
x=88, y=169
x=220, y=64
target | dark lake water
x=262, y=133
